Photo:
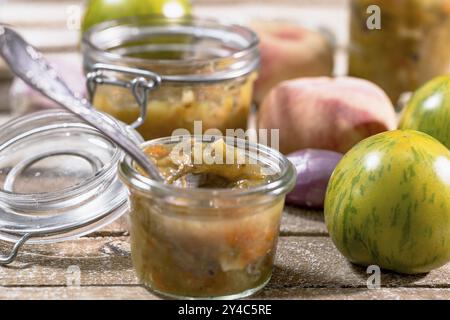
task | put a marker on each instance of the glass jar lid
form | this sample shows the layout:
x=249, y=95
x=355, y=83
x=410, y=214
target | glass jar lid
x=58, y=179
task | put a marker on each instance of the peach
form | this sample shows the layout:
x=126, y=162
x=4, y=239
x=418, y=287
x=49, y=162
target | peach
x=289, y=51
x=326, y=113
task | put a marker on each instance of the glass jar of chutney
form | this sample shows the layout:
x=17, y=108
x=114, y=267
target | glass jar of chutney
x=211, y=230
x=161, y=74
x=409, y=48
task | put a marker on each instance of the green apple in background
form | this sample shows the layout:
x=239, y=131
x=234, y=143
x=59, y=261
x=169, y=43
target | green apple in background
x=98, y=11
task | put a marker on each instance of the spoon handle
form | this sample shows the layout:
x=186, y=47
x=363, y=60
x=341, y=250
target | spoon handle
x=29, y=65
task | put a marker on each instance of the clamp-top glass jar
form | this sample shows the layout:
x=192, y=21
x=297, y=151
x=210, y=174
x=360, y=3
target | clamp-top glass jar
x=196, y=70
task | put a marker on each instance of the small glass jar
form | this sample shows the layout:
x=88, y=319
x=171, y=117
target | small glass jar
x=196, y=70
x=206, y=243
x=410, y=48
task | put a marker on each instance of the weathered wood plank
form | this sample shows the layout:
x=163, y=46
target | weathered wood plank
x=140, y=293
x=118, y=228
x=302, y=262
x=302, y=222
x=354, y=294
x=77, y=293
x=100, y=261
x=315, y=262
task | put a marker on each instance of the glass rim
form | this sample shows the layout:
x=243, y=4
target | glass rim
x=69, y=212
x=67, y=192
x=281, y=185
x=253, y=39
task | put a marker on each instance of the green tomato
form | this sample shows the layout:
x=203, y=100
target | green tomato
x=429, y=110
x=103, y=10
x=388, y=202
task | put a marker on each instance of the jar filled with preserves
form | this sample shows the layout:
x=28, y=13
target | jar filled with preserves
x=209, y=231
x=410, y=47
x=164, y=74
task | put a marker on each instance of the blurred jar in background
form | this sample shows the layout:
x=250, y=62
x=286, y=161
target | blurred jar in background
x=411, y=47
x=98, y=11
x=207, y=70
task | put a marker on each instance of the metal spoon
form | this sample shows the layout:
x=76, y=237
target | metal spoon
x=29, y=65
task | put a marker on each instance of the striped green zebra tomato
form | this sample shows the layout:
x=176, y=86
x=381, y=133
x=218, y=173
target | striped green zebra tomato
x=388, y=202
x=429, y=110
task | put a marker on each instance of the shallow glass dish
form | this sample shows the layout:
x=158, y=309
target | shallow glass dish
x=58, y=179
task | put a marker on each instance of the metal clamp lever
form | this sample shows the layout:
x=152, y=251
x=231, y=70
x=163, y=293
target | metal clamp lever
x=4, y=260
x=143, y=82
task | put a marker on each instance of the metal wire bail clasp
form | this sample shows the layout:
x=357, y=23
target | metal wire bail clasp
x=7, y=259
x=140, y=86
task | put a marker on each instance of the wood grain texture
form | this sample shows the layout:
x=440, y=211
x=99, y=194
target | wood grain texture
x=302, y=222
x=118, y=228
x=77, y=293
x=140, y=293
x=354, y=294
x=315, y=262
x=302, y=262
x=102, y=261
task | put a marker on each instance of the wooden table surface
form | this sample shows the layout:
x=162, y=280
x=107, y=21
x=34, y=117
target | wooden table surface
x=307, y=266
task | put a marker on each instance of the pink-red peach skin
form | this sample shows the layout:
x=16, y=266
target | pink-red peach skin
x=326, y=113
